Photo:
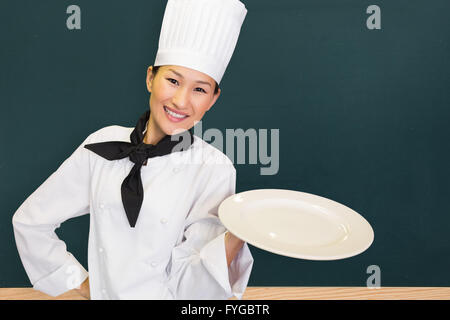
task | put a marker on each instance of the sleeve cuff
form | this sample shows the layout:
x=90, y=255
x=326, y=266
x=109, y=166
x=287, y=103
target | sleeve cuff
x=234, y=279
x=67, y=277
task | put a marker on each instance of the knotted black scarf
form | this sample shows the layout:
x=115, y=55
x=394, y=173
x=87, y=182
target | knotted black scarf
x=138, y=152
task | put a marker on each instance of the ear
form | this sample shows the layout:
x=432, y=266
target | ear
x=149, y=79
x=216, y=96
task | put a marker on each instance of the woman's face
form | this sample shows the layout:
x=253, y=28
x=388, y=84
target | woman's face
x=179, y=98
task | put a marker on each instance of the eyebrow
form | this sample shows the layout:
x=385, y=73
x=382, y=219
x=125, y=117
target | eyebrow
x=181, y=76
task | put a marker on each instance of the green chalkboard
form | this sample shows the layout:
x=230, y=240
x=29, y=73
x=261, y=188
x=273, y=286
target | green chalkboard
x=363, y=117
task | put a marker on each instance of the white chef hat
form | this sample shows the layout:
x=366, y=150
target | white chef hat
x=200, y=34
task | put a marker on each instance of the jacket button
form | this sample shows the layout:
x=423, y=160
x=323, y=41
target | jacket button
x=175, y=170
x=153, y=264
x=100, y=250
x=102, y=206
x=163, y=220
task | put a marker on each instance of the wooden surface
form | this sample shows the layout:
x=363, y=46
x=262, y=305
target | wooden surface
x=281, y=293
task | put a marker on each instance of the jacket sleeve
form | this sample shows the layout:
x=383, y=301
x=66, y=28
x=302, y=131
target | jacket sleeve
x=198, y=268
x=64, y=195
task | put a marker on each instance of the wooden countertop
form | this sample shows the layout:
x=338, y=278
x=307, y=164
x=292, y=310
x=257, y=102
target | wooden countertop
x=281, y=293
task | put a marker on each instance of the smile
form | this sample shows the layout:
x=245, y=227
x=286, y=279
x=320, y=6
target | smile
x=174, y=116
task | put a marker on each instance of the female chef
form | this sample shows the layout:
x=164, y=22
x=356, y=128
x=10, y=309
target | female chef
x=152, y=191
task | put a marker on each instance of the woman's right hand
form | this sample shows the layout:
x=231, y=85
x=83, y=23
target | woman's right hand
x=84, y=289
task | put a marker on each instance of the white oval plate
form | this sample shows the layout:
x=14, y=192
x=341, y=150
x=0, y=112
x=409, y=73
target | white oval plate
x=296, y=224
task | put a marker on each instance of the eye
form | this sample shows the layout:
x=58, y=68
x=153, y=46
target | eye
x=200, y=89
x=173, y=81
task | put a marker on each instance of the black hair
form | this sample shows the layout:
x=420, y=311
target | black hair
x=155, y=71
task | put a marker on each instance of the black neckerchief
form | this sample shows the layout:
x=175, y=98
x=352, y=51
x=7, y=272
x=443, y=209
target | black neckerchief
x=138, y=152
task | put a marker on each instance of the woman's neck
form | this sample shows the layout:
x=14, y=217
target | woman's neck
x=152, y=136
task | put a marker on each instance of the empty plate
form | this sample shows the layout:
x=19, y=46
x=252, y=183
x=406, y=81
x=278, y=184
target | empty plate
x=296, y=224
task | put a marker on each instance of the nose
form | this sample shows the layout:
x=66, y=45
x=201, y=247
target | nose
x=181, y=98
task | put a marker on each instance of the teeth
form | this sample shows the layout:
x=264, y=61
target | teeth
x=173, y=114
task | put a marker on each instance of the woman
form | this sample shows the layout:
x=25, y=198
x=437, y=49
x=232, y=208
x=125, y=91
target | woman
x=152, y=199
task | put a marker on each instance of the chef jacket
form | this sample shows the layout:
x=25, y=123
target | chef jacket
x=175, y=251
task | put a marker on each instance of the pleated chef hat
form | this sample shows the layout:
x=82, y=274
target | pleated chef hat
x=200, y=34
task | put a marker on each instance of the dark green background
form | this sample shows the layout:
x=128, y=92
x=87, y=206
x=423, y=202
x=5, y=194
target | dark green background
x=363, y=117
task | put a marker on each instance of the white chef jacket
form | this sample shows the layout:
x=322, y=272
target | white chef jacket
x=175, y=251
